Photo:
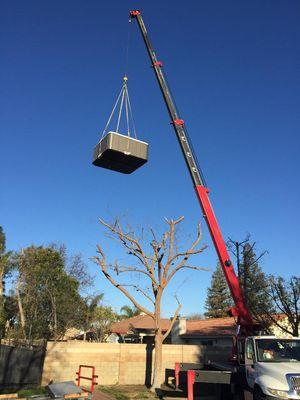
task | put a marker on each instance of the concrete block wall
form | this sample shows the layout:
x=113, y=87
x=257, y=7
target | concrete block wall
x=125, y=364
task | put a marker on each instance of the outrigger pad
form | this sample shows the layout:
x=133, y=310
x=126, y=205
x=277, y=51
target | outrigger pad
x=120, y=153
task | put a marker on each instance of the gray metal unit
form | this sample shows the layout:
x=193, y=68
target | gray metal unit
x=224, y=377
x=120, y=153
x=187, y=366
x=59, y=389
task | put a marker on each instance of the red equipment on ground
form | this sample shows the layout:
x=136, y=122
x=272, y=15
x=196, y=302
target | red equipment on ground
x=91, y=378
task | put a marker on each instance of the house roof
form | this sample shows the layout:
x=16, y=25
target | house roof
x=71, y=333
x=215, y=326
x=194, y=328
x=211, y=327
x=139, y=323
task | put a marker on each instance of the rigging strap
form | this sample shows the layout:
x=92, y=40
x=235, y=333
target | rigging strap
x=123, y=99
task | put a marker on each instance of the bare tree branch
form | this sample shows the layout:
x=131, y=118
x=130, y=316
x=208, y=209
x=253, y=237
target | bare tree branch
x=102, y=264
x=172, y=321
x=138, y=289
x=179, y=267
x=122, y=269
x=186, y=254
x=137, y=251
x=285, y=297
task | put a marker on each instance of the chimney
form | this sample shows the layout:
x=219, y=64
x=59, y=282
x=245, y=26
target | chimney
x=179, y=328
x=182, y=325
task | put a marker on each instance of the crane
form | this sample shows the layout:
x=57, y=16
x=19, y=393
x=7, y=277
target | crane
x=267, y=377
x=240, y=309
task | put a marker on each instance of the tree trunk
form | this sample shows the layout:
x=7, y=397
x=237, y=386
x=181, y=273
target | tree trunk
x=1, y=281
x=85, y=328
x=156, y=383
x=2, y=313
x=55, y=326
x=296, y=330
x=54, y=313
x=21, y=310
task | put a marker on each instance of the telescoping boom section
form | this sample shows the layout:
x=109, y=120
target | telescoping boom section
x=240, y=310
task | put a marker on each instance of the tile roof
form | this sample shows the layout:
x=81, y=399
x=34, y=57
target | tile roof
x=140, y=322
x=206, y=327
x=211, y=327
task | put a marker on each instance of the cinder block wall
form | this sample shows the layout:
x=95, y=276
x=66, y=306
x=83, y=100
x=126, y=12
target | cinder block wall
x=125, y=364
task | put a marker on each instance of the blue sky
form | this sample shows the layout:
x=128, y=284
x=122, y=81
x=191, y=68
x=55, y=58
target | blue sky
x=233, y=68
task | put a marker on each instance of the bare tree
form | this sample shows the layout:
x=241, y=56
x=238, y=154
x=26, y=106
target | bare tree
x=158, y=267
x=236, y=248
x=253, y=280
x=74, y=266
x=286, y=297
x=195, y=317
x=244, y=252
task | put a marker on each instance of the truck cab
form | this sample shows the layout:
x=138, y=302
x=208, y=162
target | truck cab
x=272, y=366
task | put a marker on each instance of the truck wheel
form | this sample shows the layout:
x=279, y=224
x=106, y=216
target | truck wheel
x=258, y=394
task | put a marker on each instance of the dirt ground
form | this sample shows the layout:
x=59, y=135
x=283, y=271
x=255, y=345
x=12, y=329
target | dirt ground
x=134, y=391
x=98, y=395
x=165, y=394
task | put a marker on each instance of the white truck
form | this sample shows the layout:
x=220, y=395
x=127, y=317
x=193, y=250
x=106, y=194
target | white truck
x=272, y=367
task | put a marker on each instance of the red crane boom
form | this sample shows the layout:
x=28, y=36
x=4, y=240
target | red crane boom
x=240, y=310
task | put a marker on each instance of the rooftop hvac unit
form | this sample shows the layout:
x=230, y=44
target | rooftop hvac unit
x=120, y=153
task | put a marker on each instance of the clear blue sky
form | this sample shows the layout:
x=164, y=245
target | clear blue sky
x=234, y=70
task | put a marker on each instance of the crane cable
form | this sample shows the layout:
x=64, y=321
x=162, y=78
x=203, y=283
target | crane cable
x=124, y=99
x=124, y=107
